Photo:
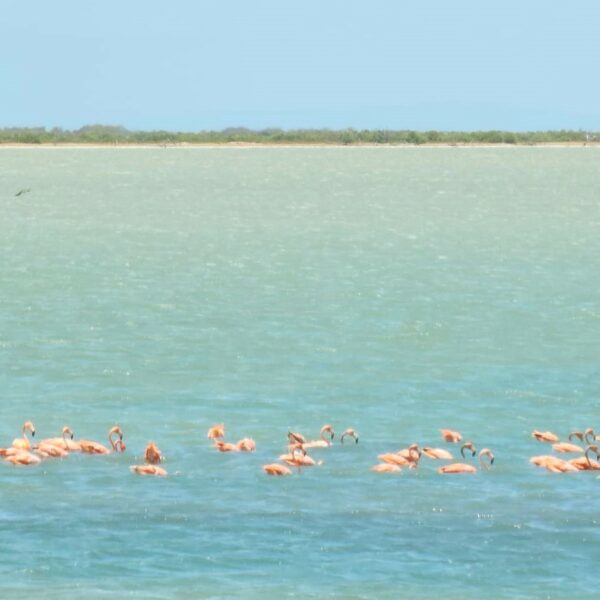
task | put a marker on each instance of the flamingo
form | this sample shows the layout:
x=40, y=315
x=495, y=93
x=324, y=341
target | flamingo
x=409, y=453
x=350, y=433
x=246, y=445
x=584, y=463
x=299, y=461
x=243, y=445
x=216, y=432
x=226, y=446
x=407, y=457
x=23, y=443
x=451, y=436
x=455, y=468
x=89, y=447
x=566, y=447
x=486, y=452
x=295, y=437
x=553, y=464
x=276, y=469
x=544, y=436
x=153, y=458
x=152, y=454
x=386, y=468
x=65, y=442
x=22, y=458
x=50, y=451
x=577, y=434
x=148, y=470
x=323, y=442
x=437, y=453
x=589, y=432
x=393, y=458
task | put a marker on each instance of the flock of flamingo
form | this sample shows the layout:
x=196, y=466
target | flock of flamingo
x=24, y=452
x=408, y=458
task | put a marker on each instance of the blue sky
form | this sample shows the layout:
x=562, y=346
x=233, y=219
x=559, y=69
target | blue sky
x=210, y=64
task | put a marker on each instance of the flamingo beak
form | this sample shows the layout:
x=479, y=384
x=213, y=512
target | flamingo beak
x=474, y=452
x=492, y=461
x=356, y=440
x=71, y=436
x=33, y=433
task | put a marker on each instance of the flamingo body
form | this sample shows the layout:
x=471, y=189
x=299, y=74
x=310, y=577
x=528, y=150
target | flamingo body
x=455, y=468
x=246, y=445
x=544, y=436
x=50, y=451
x=276, y=469
x=437, y=453
x=451, y=436
x=152, y=454
x=148, y=470
x=386, y=468
x=566, y=447
x=23, y=458
x=216, y=432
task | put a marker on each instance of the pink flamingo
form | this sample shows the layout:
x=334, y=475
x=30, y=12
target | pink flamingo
x=153, y=457
x=323, y=442
x=350, y=433
x=386, y=468
x=455, y=468
x=22, y=458
x=216, y=432
x=65, y=442
x=437, y=453
x=276, y=469
x=89, y=447
x=451, y=436
x=544, y=436
x=23, y=443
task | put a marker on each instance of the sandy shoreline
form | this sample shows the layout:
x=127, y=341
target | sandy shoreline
x=300, y=145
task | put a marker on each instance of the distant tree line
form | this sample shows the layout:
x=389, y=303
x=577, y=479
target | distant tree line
x=108, y=134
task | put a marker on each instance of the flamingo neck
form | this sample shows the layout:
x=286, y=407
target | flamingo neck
x=328, y=442
x=27, y=442
x=485, y=465
x=112, y=442
x=587, y=454
x=415, y=455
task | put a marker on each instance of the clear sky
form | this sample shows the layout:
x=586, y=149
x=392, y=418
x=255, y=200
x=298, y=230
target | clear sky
x=210, y=64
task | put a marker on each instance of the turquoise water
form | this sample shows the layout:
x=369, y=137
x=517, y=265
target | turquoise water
x=395, y=291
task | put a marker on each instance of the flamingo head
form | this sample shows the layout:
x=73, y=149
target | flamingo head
x=116, y=430
x=216, y=431
x=468, y=446
x=487, y=452
x=67, y=431
x=589, y=432
x=29, y=426
x=350, y=433
x=328, y=429
x=414, y=449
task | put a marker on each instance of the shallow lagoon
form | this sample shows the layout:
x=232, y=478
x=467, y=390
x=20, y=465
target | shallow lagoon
x=393, y=290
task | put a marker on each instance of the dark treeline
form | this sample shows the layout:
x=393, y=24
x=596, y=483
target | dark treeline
x=107, y=134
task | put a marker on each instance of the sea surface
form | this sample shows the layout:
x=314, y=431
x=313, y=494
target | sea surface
x=392, y=290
